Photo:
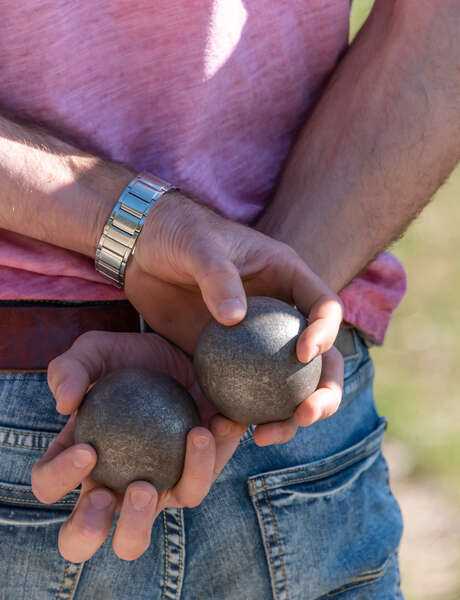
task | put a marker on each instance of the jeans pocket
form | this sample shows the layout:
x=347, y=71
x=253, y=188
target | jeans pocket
x=30, y=563
x=20, y=449
x=329, y=525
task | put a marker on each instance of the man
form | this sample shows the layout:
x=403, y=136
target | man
x=379, y=143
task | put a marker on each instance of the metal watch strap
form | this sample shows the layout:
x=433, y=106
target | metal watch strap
x=125, y=223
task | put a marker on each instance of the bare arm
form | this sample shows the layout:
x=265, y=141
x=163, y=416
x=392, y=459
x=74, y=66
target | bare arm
x=382, y=139
x=54, y=192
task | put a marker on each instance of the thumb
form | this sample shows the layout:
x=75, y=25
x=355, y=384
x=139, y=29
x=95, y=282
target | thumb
x=221, y=287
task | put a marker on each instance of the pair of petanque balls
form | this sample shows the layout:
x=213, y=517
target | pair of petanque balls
x=137, y=420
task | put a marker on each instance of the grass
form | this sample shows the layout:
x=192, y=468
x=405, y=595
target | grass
x=417, y=384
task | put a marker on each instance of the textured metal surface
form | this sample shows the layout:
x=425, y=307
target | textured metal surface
x=125, y=223
x=137, y=421
x=250, y=371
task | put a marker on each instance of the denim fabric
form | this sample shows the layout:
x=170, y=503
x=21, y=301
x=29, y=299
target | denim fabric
x=308, y=520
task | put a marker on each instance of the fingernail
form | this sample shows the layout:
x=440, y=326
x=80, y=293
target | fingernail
x=140, y=499
x=232, y=309
x=201, y=442
x=82, y=458
x=100, y=499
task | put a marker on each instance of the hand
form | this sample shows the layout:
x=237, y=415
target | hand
x=92, y=356
x=189, y=259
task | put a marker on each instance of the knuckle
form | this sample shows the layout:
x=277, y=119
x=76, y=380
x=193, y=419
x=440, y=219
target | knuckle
x=89, y=338
x=213, y=267
x=287, y=251
x=84, y=530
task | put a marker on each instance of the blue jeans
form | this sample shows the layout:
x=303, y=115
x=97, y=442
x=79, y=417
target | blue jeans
x=311, y=519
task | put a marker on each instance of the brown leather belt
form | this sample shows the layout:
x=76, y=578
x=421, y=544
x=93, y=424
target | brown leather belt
x=33, y=333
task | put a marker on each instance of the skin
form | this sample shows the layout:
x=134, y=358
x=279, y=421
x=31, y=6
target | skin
x=188, y=262
x=383, y=138
x=208, y=450
x=349, y=165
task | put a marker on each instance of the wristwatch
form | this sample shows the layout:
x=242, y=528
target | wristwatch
x=125, y=223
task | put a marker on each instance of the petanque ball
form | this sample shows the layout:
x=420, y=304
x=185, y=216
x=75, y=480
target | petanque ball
x=250, y=371
x=137, y=420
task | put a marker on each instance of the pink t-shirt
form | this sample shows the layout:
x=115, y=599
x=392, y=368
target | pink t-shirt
x=208, y=94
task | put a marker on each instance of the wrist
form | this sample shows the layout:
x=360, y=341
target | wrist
x=98, y=188
x=126, y=221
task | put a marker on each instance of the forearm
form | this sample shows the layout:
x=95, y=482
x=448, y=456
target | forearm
x=52, y=191
x=383, y=138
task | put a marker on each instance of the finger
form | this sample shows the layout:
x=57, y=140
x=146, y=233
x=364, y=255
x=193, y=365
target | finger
x=326, y=400
x=275, y=433
x=134, y=526
x=53, y=479
x=221, y=288
x=227, y=435
x=325, y=318
x=97, y=353
x=42, y=471
x=64, y=439
x=88, y=526
x=197, y=476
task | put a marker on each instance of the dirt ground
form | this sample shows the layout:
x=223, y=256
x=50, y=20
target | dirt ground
x=430, y=551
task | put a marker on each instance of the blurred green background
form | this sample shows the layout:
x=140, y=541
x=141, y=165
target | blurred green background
x=417, y=388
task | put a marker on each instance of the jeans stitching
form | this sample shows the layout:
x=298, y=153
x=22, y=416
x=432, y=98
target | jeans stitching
x=15, y=489
x=326, y=474
x=27, y=432
x=61, y=589
x=363, y=454
x=75, y=581
x=35, y=375
x=163, y=595
x=25, y=446
x=73, y=573
x=172, y=583
x=361, y=581
x=275, y=527
x=270, y=557
x=32, y=501
x=181, y=547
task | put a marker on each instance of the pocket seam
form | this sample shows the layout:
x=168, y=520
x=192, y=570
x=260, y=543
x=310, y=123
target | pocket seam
x=23, y=490
x=277, y=538
x=367, y=578
x=11, y=500
x=268, y=547
x=27, y=432
x=26, y=439
x=373, y=445
x=323, y=474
